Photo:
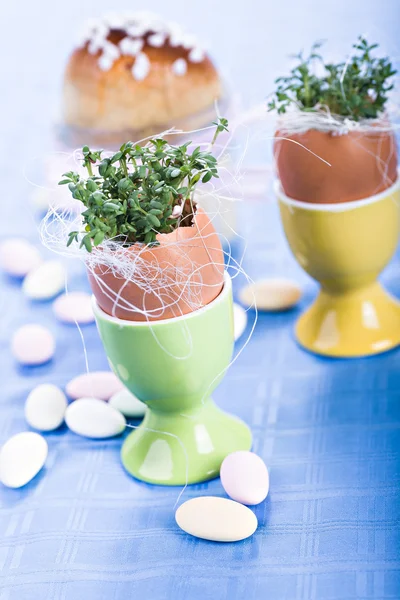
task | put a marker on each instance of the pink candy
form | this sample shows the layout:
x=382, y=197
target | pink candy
x=74, y=307
x=32, y=345
x=98, y=384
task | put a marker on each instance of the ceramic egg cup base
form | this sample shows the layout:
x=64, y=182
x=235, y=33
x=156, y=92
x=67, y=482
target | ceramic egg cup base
x=185, y=447
x=362, y=322
x=173, y=366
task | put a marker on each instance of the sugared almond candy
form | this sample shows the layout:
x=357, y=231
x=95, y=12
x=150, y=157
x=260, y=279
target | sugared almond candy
x=74, y=307
x=18, y=257
x=127, y=404
x=45, y=407
x=45, y=282
x=245, y=477
x=96, y=384
x=271, y=294
x=93, y=418
x=32, y=344
x=21, y=458
x=216, y=519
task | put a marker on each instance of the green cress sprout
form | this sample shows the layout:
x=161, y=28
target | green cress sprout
x=357, y=88
x=140, y=191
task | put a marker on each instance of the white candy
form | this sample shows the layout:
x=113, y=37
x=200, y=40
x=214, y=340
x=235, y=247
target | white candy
x=21, y=458
x=127, y=404
x=244, y=477
x=94, y=418
x=18, y=257
x=32, y=345
x=239, y=320
x=97, y=384
x=179, y=67
x=74, y=307
x=271, y=294
x=45, y=407
x=216, y=519
x=141, y=67
x=45, y=282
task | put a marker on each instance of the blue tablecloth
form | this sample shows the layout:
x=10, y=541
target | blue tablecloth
x=327, y=429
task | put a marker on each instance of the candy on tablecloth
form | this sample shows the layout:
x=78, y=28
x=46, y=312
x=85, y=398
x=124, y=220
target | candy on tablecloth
x=94, y=418
x=33, y=344
x=45, y=407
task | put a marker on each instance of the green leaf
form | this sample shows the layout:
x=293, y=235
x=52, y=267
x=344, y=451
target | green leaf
x=153, y=220
x=72, y=236
x=131, y=194
x=91, y=185
x=87, y=242
x=98, y=238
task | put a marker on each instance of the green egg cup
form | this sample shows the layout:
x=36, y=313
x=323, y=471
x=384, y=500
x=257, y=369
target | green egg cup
x=173, y=366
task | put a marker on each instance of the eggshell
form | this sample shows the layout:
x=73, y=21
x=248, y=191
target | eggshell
x=271, y=294
x=45, y=407
x=32, y=344
x=21, y=458
x=239, y=320
x=186, y=272
x=18, y=257
x=46, y=281
x=244, y=477
x=127, y=404
x=94, y=418
x=74, y=307
x=96, y=384
x=360, y=164
x=216, y=519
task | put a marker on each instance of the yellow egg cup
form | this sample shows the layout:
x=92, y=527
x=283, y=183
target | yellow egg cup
x=345, y=247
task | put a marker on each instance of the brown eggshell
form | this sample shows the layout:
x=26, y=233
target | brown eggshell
x=362, y=164
x=184, y=273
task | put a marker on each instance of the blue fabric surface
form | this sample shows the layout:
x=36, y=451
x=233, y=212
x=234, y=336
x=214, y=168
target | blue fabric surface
x=328, y=431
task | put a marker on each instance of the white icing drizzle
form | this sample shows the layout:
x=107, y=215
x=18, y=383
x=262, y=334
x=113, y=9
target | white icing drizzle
x=105, y=62
x=141, y=67
x=137, y=27
x=130, y=47
x=156, y=39
x=196, y=55
x=179, y=67
x=136, y=30
x=95, y=45
x=111, y=50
